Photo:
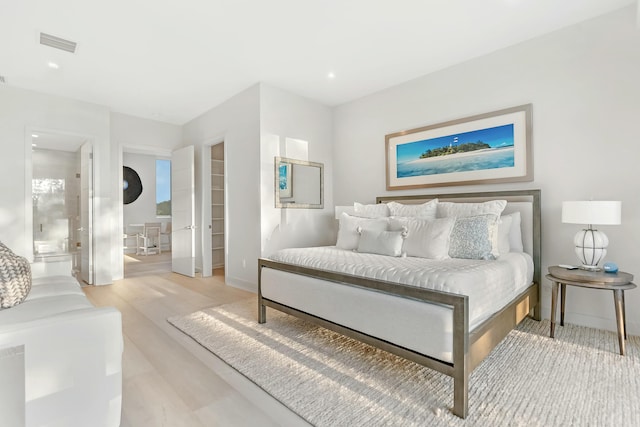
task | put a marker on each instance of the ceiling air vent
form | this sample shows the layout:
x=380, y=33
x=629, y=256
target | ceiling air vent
x=57, y=42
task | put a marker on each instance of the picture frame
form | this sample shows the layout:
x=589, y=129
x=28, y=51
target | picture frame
x=285, y=180
x=483, y=149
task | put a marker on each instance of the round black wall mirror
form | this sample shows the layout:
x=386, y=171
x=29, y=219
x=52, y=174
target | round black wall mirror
x=131, y=186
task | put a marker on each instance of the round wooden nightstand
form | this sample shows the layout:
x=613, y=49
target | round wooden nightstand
x=616, y=282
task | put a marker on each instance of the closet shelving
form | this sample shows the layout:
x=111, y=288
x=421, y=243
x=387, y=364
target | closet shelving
x=217, y=205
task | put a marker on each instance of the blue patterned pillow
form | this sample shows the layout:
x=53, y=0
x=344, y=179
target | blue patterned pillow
x=474, y=237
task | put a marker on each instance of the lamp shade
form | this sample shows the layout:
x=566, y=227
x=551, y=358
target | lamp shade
x=592, y=212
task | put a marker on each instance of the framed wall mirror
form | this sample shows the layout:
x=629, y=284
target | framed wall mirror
x=299, y=184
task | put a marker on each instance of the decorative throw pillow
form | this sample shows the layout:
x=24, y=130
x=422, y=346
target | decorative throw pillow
x=424, y=210
x=381, y=242
x=426, y=238
x=450, y=209
x=15, y=278
x=348, y=235
x=504, y=230
x=379, y=210
x=5, y=249
x=515, y=233
x=474, y=237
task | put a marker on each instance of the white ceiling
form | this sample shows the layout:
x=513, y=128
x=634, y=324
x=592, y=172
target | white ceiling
x=173, y=60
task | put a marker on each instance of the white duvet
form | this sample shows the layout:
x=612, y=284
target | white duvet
x=490, y=285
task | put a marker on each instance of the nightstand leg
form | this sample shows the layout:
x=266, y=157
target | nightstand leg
x=624, y=316
x=618, y=299
x=563, y=298
x=554, y=304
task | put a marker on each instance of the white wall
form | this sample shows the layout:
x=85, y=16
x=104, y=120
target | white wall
x=237, y=123
x=583, y=84
x=22, y=112
x=294, y=127
x=256, y=125
x=137, y=134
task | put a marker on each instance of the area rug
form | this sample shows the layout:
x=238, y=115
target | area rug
x=576, y=379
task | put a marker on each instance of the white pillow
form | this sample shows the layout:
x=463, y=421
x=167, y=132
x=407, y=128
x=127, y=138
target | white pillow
x=474, y=237
x=381, y=242
x=504, y=230
x=424, y=210
x=450, y=209
x=515, y=233
x=379, y=210
x=426, y=238
x=348, y=235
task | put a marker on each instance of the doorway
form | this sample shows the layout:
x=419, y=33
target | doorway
x=61, y=182
x=146, y=214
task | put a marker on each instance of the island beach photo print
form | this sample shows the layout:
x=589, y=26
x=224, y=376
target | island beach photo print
x=486, y=148
x=479, y=149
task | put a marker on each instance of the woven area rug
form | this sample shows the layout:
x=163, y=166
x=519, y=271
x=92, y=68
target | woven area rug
x=577, y=379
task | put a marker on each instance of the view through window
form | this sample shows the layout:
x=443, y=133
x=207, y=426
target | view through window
x=163, y=187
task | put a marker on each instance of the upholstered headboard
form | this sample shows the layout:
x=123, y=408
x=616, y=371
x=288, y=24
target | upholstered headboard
x=527, y=202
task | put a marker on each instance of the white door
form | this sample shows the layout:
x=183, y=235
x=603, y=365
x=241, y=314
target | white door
x=183, y=248
x=86, y=213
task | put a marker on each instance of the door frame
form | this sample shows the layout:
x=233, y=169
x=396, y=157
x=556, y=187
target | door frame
x=134, y=149
x=205, y=181
x=28, y=188
x=88, y=277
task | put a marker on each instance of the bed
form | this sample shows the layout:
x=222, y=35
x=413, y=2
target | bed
x=432, y=312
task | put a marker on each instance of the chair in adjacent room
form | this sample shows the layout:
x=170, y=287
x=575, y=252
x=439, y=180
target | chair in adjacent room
x=166, y=233
x=149, y=239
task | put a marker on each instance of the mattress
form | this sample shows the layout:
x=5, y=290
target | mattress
x=490, y=285
x=419, y=326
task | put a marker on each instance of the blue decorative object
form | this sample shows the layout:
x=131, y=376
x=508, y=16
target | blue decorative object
x=610, y=267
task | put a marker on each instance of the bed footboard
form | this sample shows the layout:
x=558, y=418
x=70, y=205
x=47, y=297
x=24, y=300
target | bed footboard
x=458, y=369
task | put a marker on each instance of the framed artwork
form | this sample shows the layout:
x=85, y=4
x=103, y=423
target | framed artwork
x=487, y=148
x=285, y=183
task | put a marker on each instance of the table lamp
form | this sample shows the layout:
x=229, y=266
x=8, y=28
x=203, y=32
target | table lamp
x=591, y=244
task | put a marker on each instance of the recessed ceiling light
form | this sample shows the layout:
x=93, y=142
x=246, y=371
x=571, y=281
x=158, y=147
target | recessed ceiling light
x=34, y=135
x=53, y=65
x=34, y=145
x=331, y=75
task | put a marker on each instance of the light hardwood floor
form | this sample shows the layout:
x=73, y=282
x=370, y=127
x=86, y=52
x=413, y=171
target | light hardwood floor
x=169, y=379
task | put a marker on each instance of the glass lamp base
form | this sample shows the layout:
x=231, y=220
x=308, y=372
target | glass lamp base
x=591, y=248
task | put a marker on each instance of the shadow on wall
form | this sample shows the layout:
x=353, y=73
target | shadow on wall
x=302, y=229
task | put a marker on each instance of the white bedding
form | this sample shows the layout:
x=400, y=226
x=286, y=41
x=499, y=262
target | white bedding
x=490, y=285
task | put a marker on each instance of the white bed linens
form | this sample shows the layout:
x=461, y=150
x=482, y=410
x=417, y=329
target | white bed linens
x=488, y=284
x=425, y=328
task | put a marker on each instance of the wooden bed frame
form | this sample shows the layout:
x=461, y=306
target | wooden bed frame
x=469, y=347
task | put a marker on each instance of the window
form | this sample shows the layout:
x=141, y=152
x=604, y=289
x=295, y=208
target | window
x=163, y=187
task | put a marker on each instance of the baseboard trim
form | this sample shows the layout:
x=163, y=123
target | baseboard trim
x=241, y=284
